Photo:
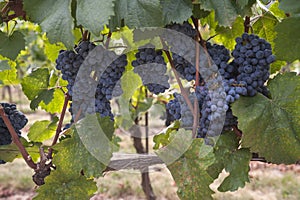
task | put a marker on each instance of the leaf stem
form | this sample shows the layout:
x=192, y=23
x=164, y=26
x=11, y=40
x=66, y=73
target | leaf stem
x=16, y=140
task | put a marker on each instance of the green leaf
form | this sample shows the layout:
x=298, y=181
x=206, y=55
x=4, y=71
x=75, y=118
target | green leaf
x=163, y=139
x=198, y=12
x=35, y=83
x=4, y=65
x=176, y=10
x=9, y=152
x=274, y=9
x=130, y=81
x=9, y=77
x=271, y=127
x=234, y=160
x=52, y=50
x=242, y=3
x=56, y=104
x=264, y=27
x=238, y=167
x=42, y=130
x=89, y=148
x=287, y=46
x=63, y=186
x=138, y=13
x=227, y=35
x=89, y=15
x=276, y=66
x=44, y=95
x=226, y=11
x=290, y=6
x=189, y=172
x=11, y=46
x=54, y=17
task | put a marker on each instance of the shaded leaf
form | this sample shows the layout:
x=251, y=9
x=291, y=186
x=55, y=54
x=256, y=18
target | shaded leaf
x=89, y=148
x=176, y=10
x=56, y=103
x=63, y=186
x=290, y=6
x=11, y=46
x=226, y=11
x=35, y=83
x=137, y=13
x=44, y=95
x=89, y=15
x=189, y=172
x=233, y=160
x=287, y=46
x=271, y=127
x=4, y=65
x=54, y=17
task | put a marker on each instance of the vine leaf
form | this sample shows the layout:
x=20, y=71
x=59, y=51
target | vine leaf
x=189, y=172
x=291, y=6
x=271, y=127
x=42, y=130
x=130, y=82
x=11, y=151
x=4, y=65
x=89, y=16
x=9, y=77
x=226, y=11
x=45, y=95
x=54, y=17
x=176, y=11
x=137, y=13
x=287, y=46
x=233, y=160
x=35, y=83
x=263, y=26
x=10, y=46
x=56, y=103
x=66, y=186
x=227, y=35
x=82, y=152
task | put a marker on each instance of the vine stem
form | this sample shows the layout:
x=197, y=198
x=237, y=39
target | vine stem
x=182, y=90
x=16, y=140
x=108, y=40
x=247, y=24
x=61, y=119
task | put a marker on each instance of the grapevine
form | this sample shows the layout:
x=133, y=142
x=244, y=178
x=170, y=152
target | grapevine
x=223, y=77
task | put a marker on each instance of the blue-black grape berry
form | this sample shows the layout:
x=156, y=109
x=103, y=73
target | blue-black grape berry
x=151, y=67
x=253, y=56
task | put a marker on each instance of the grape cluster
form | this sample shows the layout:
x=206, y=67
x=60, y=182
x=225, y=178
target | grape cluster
x=18, y=121
x=151, y=67
x=185, y=28
x=220, y=56
x=253, y=57
x=69, y=62
x=244, y=75
x=107, y=86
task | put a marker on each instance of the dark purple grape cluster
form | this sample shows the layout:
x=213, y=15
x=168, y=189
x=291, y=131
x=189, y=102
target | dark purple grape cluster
x=106, y=87
x=18, y=121
x=220, y=56
x=253, y=56
x=69, y=62
x=185, y=28
x=151, y=67
x=244, y=75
